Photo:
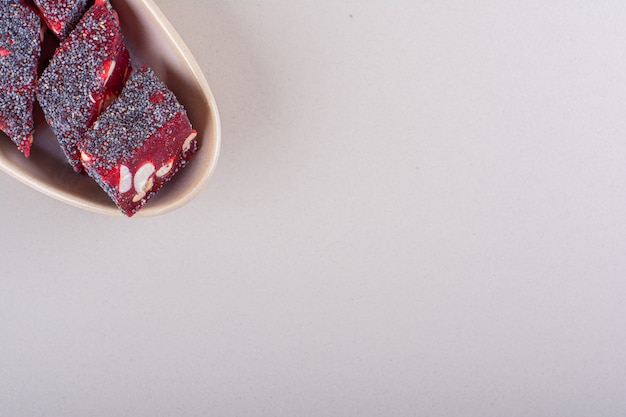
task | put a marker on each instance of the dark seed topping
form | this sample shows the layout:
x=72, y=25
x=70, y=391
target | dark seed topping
x=20, y=27
x=61, y=15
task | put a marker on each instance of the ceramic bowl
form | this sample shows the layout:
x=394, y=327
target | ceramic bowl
x=152, y=41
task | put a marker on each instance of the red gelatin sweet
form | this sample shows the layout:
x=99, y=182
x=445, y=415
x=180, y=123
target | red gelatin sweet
x=20, y=48
x=139, y=142
x=87, y=71
x=61, y=16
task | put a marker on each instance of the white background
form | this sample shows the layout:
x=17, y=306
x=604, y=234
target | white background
x=418, y=210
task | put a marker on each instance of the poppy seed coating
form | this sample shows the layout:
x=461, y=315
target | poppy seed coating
x=20, y=48
x=87, y=70
x=61, y=16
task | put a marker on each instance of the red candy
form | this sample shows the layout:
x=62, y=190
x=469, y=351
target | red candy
x=139, y=142
x=61, y=16
x=86, y=72
x=20, y=48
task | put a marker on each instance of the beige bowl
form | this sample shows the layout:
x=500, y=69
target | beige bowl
x=152, y=41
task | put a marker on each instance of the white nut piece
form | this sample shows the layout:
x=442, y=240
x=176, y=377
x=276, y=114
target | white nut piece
x=85, y=157
x=126, y=179
x=165, y=169
x=187, y=142
x=109, y=72
x=148, y=185
x=138, y=197
x=142, y=176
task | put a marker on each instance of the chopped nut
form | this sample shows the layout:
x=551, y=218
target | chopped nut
x=85, y=157
x=165, y=169
x=138, y=197
x=142, y=176
x=187, y=143
x=126, y=179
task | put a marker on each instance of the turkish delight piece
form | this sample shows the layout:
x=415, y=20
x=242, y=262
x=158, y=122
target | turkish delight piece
x=139, y=142
x=61, y=16
x=87, y=71
x=20, y=48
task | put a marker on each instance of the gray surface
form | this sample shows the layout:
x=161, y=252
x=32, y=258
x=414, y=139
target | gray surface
x=419, y=210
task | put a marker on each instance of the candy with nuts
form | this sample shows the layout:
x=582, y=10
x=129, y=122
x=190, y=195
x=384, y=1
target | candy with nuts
x=139, y=142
